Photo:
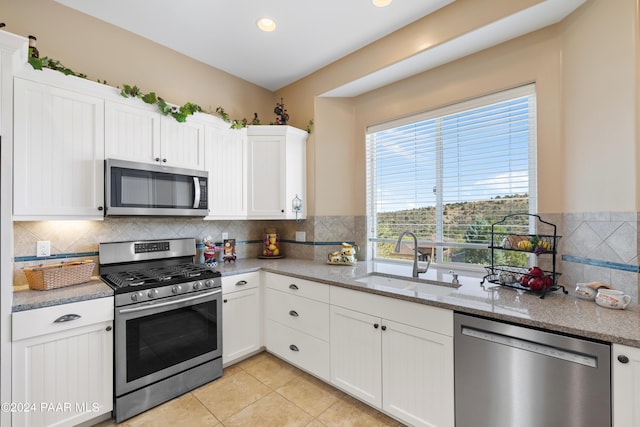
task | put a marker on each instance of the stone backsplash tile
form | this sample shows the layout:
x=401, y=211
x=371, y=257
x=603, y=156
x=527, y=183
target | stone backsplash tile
x=602, y=236
x=603, y=245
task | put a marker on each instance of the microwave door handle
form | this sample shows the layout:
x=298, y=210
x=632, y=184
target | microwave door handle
x=196, y=193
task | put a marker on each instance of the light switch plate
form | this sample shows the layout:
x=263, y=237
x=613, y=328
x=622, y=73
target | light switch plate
x=301, y=236
x=43, y=248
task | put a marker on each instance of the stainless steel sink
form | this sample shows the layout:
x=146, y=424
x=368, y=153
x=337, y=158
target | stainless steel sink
x=423, y=286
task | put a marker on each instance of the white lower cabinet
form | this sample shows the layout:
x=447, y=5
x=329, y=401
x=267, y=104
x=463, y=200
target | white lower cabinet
x=62, y=370
x=625, y=385
x=241, y=327
x=394, y=355
x=297, y=322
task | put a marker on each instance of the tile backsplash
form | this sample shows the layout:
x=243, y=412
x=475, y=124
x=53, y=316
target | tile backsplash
x=74, y=240
x=594, y=246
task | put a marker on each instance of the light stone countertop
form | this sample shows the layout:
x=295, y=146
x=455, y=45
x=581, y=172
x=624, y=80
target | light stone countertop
x=556, y=312
x=29, y=299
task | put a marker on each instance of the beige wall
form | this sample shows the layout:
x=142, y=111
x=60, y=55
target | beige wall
x=600, y=53
x=105, y=52
x=584, y=70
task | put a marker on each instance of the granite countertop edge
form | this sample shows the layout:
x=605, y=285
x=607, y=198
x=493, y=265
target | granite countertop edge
x=557, y=312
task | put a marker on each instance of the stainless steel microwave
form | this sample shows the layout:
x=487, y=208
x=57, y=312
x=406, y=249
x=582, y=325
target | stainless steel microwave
x=133, y=188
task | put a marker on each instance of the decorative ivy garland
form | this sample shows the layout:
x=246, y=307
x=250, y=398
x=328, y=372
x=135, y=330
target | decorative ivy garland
x=178, y=113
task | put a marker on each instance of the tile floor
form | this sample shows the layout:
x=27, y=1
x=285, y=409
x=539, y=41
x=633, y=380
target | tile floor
x=261, y=391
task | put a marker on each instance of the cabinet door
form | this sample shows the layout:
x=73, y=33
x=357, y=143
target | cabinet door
x=240, y=324
x=225, y=159
x=58, y=153
x=132, y=132
x=182, y=144
x=266, y=173
x=355, y=354
x=67, y=375
x=625, y=364
x=417, y=374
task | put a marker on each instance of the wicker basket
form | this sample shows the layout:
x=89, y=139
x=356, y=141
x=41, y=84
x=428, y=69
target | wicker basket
x=59, y=275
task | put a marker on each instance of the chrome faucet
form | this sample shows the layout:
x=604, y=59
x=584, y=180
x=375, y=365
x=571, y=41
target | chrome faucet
x=454, y=280
x=416, y=270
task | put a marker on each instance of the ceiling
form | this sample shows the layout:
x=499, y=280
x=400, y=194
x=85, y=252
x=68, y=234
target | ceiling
x=224, y=34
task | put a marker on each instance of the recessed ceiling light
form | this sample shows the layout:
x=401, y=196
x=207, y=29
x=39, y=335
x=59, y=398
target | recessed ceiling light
x=381, y=3
x=266, y=24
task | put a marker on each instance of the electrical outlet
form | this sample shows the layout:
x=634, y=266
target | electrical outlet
x=43, y=248
x=301, y=236
x=225, y=236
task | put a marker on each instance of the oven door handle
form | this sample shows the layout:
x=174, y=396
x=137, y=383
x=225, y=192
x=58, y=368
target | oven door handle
x=164, y=304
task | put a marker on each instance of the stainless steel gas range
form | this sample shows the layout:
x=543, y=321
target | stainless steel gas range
x=168, y=321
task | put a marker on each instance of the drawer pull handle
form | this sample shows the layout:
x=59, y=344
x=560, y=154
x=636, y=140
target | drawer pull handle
x=67, y=318
x=294, y=347
x=293, y=286
x=241, y=283
x=293, y=313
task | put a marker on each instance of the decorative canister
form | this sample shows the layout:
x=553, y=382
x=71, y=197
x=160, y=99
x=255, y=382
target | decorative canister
x=271, y=243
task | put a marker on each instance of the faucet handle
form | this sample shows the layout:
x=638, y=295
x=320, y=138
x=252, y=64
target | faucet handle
x=455, y=277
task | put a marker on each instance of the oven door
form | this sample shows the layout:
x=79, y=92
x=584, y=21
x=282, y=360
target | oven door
x=157, y=340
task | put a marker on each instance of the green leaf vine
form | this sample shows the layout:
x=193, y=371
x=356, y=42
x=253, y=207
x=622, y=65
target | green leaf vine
x=127, y=91
x=178, y=113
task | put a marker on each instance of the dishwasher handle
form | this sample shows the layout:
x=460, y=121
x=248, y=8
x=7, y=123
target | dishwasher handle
x=521, y=344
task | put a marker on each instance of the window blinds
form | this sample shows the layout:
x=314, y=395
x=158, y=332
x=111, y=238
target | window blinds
x=443, y=172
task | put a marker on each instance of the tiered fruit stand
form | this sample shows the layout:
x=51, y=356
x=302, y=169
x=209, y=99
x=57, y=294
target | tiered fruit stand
x=534, y=244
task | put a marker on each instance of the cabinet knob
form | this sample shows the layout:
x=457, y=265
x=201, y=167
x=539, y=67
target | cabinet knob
x=224, y=300
x=157, y=159
x=293, y=313
x=375, y=326
x=623, y=359
x=293, y=286
x=100, y=208
x=282, y=210
x=294, y=347
x=164, y=160
x=109, y=328
x=384, y=328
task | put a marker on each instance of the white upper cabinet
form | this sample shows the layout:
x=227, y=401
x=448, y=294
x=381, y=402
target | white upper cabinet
x=225, y=160
x=181, y=144
x=58, y=153
x=276, y=170
x=136, y=131
x=132, y=131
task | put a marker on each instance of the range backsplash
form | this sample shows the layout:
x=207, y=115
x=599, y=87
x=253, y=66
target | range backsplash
x=599, y=246
x=74, y=240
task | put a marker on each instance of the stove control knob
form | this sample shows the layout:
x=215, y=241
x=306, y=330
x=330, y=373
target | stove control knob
x=152, y=293
x=209, y=283
x=197, y=285
x=176, y=289
x=135, y=296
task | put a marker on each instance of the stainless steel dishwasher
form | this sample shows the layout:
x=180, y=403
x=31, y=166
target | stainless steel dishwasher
x=513, y=376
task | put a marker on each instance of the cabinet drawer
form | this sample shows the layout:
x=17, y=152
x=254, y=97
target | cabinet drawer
x=300, y=287
x=303, y=314
x=422, y=316
x=301, y=350
x=40, y=321
x=240, y=282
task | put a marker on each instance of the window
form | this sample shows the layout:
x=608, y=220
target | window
x=448, y=174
